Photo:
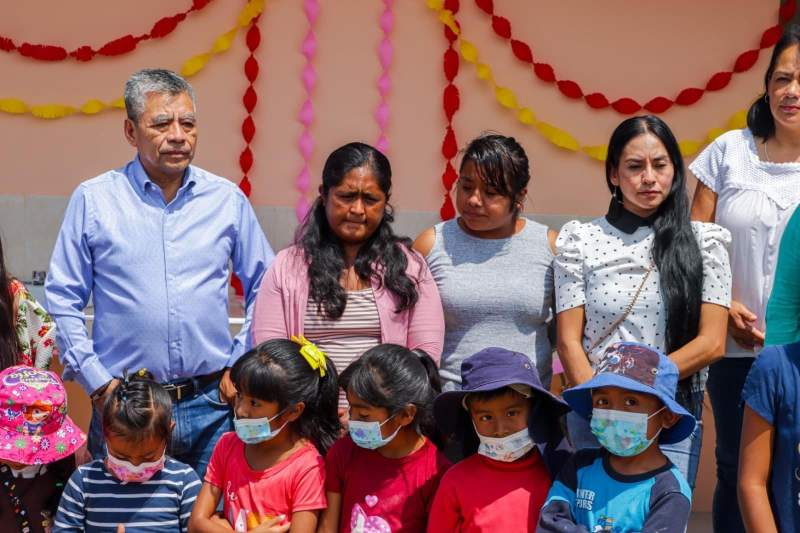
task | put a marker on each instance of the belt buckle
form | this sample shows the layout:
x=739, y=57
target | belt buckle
x=177, y=388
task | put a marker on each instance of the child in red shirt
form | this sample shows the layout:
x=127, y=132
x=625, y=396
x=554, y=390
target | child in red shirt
x=269, y=473
x=503, y=413
x=382, y=476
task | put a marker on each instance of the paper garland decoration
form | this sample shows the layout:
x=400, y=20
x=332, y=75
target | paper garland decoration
x=306, y=114
x=17, y=106
x=250, y=99
x=555, y=135
x=116, y=47
x=385, y=55
x=451, y=102
x=626, y=105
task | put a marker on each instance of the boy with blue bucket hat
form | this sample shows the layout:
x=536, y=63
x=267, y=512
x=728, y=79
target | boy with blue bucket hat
x=628, y=485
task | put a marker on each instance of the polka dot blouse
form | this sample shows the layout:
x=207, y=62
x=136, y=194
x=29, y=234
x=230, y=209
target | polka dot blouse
x=600, y=267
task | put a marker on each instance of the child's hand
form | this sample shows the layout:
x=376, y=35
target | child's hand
x=120, y=528
x=271, y=525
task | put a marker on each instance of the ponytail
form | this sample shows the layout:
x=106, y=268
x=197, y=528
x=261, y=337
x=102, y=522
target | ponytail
x=392, y=377
x=139, y=408
x=277, y=371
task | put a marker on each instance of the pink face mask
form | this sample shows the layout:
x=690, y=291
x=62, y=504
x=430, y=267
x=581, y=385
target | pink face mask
x=129, y=473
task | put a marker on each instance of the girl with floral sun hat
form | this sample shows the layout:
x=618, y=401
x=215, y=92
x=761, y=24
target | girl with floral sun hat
x=37, y=443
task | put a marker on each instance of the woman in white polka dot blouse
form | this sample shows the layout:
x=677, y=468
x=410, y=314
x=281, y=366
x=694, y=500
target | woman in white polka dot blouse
x=644, y=273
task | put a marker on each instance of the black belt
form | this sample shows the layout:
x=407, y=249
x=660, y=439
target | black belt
x=188, y=388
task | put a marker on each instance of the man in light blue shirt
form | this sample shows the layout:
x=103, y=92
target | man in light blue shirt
x=153, y=243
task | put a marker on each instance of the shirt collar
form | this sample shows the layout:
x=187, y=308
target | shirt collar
x=141, y=179
x=624, y=220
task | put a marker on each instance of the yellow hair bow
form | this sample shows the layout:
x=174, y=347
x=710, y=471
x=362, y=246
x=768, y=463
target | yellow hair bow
x=312, y=354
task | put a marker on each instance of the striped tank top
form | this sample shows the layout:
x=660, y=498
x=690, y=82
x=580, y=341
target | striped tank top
x=344, y=340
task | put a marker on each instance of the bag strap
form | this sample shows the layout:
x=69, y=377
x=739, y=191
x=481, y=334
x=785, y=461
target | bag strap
x=628, y=308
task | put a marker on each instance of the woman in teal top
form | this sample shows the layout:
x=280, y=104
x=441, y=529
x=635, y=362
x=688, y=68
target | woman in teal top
x=783, y=309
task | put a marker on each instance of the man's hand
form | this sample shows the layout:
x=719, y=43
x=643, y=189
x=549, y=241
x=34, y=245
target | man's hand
x=227, y=391
x=100, y=401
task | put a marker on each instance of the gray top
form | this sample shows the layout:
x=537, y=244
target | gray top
x=495, y=292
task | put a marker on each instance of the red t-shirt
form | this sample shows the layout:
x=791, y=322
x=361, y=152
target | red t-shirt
x=481, y=494
x=296, y=484
x=383, y=495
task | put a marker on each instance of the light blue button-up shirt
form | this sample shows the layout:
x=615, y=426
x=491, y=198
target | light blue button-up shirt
x=158, y=275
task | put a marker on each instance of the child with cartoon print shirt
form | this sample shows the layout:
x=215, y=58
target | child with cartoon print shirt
x=37, y=445
x=628, y=485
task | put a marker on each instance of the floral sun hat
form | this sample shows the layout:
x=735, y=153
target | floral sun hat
x=34, y=426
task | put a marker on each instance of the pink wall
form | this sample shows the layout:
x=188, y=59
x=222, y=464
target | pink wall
x=623, y=48
x=620, y=47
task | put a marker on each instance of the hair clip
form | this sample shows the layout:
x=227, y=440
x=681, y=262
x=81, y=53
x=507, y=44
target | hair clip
x=142, y=372
x=313, y=355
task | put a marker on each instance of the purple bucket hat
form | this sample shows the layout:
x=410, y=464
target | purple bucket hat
x=492, y=369
x=34, y=426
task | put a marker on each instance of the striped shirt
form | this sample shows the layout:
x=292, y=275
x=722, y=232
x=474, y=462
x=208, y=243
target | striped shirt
x=344, y=340
x=95, y=501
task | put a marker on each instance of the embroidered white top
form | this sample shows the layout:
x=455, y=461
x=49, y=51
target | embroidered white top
x=600, y=267
x=755, y=200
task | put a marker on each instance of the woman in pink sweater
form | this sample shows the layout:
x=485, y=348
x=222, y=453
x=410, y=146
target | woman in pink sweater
x=349, y=283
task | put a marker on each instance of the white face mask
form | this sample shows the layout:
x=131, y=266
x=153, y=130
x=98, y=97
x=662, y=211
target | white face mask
x=506, y=449
x=28, y=472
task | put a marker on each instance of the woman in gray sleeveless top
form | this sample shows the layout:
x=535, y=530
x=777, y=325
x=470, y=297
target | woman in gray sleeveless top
x=493, y=267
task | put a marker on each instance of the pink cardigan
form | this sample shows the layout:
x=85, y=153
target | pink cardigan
x=282, y=298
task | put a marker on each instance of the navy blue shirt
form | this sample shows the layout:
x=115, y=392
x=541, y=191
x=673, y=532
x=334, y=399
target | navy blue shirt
x=94, y=501
x=771, y=390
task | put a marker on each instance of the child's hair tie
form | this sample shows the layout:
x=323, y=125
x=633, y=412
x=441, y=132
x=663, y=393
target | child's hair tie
x=142, y=373
x=313, y=355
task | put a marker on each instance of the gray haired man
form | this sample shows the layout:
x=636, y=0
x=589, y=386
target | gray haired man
x=154, y=243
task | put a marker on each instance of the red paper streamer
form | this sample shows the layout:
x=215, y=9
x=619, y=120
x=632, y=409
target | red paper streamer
x=249, y=100
x=116, y=47
x=625, y=105
x=451, y=101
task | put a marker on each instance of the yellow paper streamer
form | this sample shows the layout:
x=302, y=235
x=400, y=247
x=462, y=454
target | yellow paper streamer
x=555, y=135
x=191, y=66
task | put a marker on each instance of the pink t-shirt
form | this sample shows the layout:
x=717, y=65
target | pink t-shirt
x=296, y=484
x=383, y=495
x=480, y=494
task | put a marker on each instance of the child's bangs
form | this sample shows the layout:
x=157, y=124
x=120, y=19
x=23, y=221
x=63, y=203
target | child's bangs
x=366, y=384
x=265, y=381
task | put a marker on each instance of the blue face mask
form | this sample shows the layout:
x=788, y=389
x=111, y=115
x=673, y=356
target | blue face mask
x=368, y=434
x=256, y=430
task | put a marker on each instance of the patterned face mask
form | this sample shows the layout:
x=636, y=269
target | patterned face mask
x=129, y=473
x=506, y=449
x=256, y=430
x=622, y=433
x=368, y=434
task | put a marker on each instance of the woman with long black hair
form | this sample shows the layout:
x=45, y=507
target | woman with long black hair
x=349, y=283
x=644, y=273
x=27, y=332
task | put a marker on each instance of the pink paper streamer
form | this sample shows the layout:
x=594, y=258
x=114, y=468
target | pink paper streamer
x=306, y=114
x=385, y=56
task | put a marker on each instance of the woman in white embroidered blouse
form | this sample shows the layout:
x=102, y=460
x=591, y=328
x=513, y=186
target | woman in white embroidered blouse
x=749, y=182
x=644, y=273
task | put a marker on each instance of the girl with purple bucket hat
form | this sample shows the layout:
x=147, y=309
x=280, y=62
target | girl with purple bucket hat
x=37, y=443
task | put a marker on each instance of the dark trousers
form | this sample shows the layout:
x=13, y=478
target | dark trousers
x=725, y=382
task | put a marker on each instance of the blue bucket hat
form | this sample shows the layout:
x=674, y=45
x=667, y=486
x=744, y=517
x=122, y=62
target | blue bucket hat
x=492, y=369
x=636, y=367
